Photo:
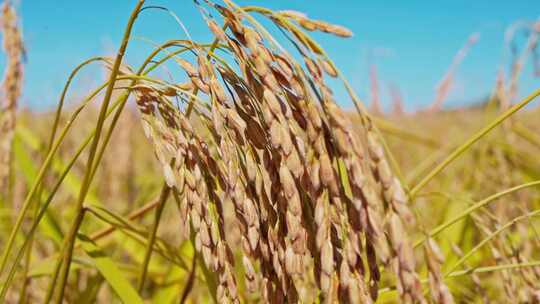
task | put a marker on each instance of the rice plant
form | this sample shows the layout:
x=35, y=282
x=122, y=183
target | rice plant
x=252, y=184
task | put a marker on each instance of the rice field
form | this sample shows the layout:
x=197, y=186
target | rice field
x=247, y=182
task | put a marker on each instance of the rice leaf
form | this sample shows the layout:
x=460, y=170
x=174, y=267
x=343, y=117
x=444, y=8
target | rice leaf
x=110, y=272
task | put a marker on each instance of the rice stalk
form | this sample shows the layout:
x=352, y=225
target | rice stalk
x=283, y=196
x=11, y=92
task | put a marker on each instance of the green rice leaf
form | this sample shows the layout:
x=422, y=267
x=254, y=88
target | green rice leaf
x=109, y=271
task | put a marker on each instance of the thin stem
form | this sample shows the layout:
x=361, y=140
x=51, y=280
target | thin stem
x=60, y=106
x=487, y=239
x=37, y=220
x=70, y=238
x=527, y=134
x=473, y=208
x=28, y=259
x=44, y=209
x=132, y=216
x=40, y=177
x=405, y=134
x=493, y=268
x=190, y=280
x=464, y=147
x=136, y=233
x=165, y=191
x=50, y=145
x=473, y=271
x=65, y=260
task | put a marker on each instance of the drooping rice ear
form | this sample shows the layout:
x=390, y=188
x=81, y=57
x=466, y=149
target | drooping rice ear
x=216, y=30
x=440, y=292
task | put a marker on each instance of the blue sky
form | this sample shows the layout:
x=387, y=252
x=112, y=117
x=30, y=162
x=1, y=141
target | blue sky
x=412, y=42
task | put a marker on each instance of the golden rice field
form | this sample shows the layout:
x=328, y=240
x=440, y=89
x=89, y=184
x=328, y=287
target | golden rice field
x=248, y=182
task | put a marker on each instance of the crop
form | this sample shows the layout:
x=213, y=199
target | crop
x=267, y=190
